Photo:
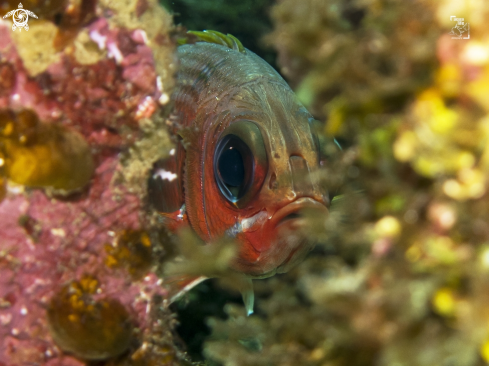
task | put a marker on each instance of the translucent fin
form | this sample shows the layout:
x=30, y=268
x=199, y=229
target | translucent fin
x=208, y=37
x=178, y=286
x=248, y=296
x=181, y=41
x=228, y=42
x=338, y=144
x=211, y=36
x=237, y=45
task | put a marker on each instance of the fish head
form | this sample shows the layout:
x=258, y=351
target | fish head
x=258, y=178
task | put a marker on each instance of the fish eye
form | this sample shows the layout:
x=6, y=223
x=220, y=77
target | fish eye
x=240, y=162
x=234, y=167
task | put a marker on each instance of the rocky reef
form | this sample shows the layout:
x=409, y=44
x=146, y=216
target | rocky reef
x=81, y=98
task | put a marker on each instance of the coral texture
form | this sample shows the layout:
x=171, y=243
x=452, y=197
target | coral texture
x=80, y=93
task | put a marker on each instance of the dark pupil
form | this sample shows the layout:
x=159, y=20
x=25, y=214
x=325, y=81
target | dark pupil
x=231, y=167
x=233, y=162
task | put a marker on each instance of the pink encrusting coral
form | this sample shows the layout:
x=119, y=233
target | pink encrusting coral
x=47, y=244
x=96, y=98
x=63, y=247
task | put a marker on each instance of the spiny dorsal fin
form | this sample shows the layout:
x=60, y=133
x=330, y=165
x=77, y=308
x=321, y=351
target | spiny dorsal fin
x=216, y=37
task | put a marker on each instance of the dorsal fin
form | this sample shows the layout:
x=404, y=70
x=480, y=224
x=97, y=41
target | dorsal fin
x=211, y=36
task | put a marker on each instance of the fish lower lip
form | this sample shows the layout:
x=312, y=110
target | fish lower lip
x=291, y=212
x=292, y=216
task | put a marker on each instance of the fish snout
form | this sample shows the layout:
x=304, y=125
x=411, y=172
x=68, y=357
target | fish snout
x=303, y=181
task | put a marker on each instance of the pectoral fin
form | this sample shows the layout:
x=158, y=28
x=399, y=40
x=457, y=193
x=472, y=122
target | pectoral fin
x=178, y=286
x=248, y=296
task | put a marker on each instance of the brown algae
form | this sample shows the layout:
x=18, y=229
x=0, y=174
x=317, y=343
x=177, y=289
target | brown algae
x=89, y=329
x=37, y=154
x=132, y=250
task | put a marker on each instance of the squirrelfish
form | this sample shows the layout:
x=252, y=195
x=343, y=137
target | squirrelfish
x=248, y=147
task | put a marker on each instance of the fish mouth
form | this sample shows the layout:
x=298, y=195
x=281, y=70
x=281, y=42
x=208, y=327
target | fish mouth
x=289, y=218
x=286, y=243
x=292, y=211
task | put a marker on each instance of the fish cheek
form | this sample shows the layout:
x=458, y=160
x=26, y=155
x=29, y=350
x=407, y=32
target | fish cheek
x=263, y=253
x=247, y=253
x=194, y=139
x=250, y=259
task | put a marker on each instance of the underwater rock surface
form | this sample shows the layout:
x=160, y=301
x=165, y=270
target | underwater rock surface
x=79, y=98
